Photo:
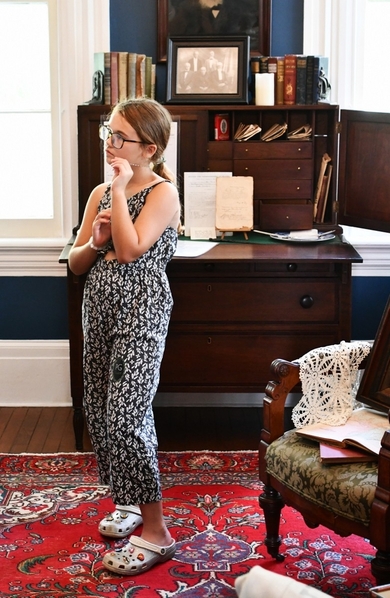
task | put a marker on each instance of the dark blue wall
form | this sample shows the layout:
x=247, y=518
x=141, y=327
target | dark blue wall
x=369, y=298
x=33, y=308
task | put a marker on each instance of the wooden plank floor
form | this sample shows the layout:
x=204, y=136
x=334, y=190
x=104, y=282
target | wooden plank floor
x=50, y=429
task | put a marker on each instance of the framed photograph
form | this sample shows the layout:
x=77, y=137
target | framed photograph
x=208, y=70
x=213, y=18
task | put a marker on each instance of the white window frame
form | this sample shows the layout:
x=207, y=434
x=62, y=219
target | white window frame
x=79, y=28
x=333, y=28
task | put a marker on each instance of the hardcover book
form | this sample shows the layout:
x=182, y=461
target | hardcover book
x=140, y=76
x=131, y=75
x=122, y=75
x=301, y=80
x=290, y=78
x=102, y=62
x=331, y=454
x=363, y=430
x=279, y=92
x=114, y=78
x=309, y=79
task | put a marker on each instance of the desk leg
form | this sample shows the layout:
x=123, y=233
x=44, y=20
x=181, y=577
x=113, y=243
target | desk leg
x=78, y=427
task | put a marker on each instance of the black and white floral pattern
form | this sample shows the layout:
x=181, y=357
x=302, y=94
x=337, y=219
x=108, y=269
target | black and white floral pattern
x=126, y=312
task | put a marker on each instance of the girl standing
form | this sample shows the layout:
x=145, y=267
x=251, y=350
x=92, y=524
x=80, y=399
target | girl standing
x=127, y=237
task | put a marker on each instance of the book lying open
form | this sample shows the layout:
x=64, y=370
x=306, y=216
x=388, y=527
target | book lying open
x=364, y=430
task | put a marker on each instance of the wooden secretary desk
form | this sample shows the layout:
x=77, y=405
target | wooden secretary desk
x=240, y=305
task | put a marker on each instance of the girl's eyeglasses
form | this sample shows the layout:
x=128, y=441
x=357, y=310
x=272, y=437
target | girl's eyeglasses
x=117, y=141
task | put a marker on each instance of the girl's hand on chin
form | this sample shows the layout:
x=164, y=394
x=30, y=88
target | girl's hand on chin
x=122, y=173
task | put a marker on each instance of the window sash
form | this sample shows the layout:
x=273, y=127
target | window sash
x=77, y=30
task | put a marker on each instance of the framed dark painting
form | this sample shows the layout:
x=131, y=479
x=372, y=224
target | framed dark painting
x=208, y=70
x=214, y=18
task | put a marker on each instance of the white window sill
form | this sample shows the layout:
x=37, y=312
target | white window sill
x=32, y=257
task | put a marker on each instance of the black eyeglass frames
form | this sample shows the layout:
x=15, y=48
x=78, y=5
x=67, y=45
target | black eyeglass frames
x=105, y=132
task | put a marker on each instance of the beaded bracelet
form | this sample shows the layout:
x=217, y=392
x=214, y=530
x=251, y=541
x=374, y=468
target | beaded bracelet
x=92, y=246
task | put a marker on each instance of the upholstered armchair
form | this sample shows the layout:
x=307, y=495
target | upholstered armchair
x=350, y=498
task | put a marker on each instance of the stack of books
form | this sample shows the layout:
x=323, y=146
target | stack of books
x=299, y=79
x=126, y=75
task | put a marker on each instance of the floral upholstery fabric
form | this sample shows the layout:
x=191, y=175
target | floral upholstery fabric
x=346, y=489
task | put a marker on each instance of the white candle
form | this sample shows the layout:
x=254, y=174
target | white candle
x=264, y=89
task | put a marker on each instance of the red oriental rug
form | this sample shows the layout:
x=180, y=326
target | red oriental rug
x=50, y=506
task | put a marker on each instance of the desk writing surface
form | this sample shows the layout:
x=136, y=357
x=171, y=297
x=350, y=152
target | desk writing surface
x=263, y=248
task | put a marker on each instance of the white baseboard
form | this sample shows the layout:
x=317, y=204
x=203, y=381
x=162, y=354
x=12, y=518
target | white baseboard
x=34, y=374
x=37, y=374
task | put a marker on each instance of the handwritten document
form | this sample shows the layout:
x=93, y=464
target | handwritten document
x=234, y=204
x=200, y=189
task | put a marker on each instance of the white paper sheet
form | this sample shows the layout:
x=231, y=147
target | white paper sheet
x=193, y=248
x=199, y=199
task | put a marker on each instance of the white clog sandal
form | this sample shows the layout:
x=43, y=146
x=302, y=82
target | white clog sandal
x=137, y=556
x=121, y=523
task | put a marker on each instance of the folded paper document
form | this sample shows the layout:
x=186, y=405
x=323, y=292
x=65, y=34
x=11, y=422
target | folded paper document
x=300, y=134
x=274, y=132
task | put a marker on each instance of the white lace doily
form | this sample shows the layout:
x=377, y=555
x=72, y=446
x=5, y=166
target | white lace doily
x=329, y=383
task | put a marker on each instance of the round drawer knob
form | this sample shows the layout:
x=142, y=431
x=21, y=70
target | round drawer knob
x=299, y=168
x=291, y=267
x=306, y=301
x=298, y=188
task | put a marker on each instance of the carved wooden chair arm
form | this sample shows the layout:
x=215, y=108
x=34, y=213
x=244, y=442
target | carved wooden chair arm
x=285, y=377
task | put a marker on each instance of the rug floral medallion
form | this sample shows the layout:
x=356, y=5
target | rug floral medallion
x=50, y=547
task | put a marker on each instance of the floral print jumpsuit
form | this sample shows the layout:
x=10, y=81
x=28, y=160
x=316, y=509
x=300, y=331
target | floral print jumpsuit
x=126, y=313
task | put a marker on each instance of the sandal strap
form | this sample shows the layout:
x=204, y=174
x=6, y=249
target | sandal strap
x=129, y=509
x=141, y=543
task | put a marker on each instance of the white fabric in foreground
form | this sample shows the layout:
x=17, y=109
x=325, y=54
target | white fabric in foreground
x=328, y=376
x=261, y=583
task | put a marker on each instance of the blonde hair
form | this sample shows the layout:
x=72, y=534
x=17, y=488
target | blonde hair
x=152, y=123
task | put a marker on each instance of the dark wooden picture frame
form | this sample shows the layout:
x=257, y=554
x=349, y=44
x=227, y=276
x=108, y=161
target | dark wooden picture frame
x=374, y=389
x=260, y=33
x=227, y=58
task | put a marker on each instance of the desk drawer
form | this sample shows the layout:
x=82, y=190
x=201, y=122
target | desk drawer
x=261, y=150
x=274, y=169
x=247, y=301
x=283, y=189
x=231, y=361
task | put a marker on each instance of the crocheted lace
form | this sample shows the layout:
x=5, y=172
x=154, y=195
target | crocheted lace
x=330, y=380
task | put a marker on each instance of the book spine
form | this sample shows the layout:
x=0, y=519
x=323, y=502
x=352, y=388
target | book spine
x=114, y=78
x=309, y=79
x=153, y=82
x=148, y=76
x=140, y=76
x=316, y=72
x=272, y=68
x=301, y=80
x=290, y=78
x=122, y=75
x=107, y=78
x=263, y=64
x=279, y=97
x=131, y=75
